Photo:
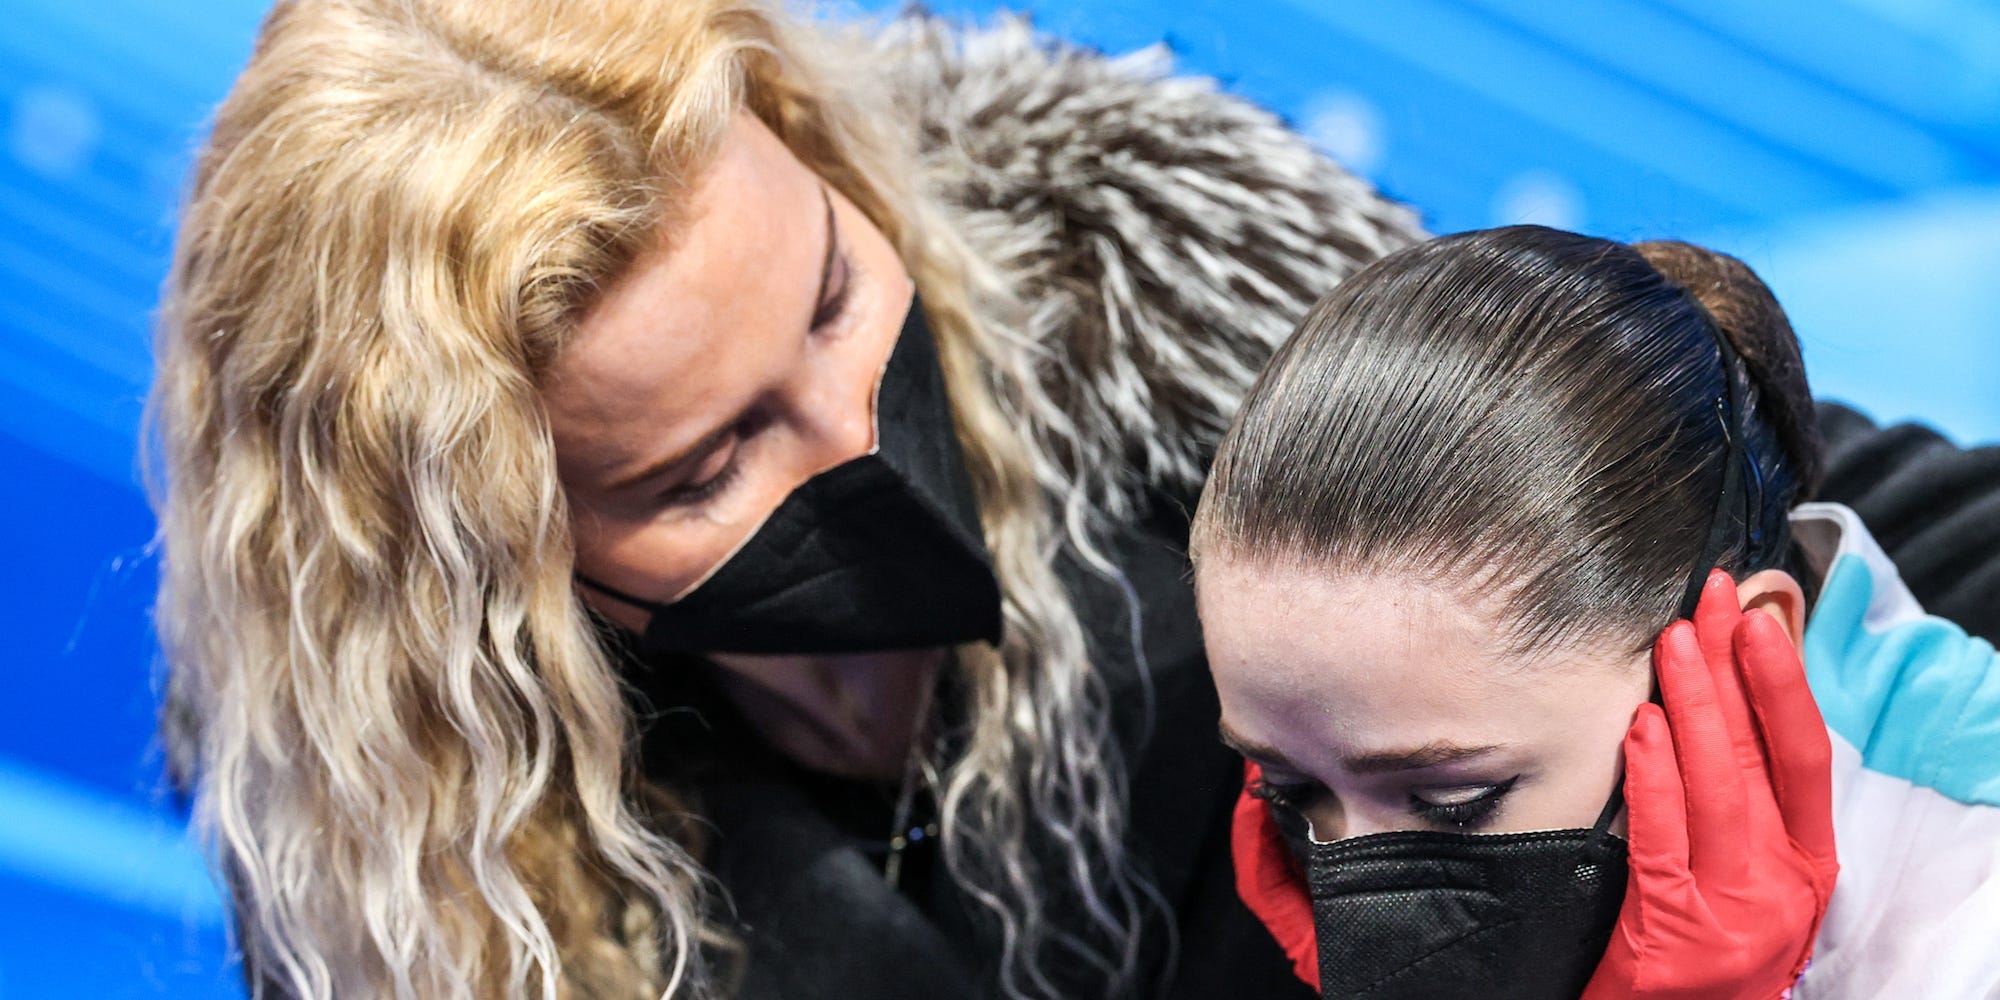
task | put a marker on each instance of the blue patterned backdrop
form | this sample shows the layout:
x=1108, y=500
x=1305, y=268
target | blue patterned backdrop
x=1848, y=149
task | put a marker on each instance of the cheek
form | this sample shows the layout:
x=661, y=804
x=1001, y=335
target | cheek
x=1570, y=792
x=661, y=553
x=1582, y=755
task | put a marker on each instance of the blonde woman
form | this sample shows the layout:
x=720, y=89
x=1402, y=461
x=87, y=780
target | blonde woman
x=673, y=498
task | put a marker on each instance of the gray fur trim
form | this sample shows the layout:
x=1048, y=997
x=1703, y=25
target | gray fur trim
x=1163, y=236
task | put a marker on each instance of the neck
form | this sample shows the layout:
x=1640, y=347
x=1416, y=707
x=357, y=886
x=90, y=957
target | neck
x=853, y=715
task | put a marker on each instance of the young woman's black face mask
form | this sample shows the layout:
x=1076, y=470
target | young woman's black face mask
x=881, y=552
x=1425, y=915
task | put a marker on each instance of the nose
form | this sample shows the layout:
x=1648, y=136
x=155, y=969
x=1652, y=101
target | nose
x=1362, y=827
x=838, y=386
x=847, y=429
x=1346, y=824
x=842, y=422
x=1325, y=817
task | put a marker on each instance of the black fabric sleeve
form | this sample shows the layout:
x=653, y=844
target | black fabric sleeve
x=1933, y=506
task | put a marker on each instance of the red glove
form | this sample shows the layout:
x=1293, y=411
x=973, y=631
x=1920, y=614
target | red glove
x=1270, y=881
x=1731, y=816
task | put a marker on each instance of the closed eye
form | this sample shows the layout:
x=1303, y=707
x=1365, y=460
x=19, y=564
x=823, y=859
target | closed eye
x=1291, y=795
x=689, y=496
x=1461, y=808
x=697, y=494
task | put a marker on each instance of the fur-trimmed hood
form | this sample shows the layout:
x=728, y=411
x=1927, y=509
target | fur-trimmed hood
x=1163, y=235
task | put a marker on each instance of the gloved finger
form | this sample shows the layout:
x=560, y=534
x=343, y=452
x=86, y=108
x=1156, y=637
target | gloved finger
x=1715, y=622
x=1656, y=856
x=1717, y=613
x=1788, y=718
x=1716, y=800
x=1656, y=823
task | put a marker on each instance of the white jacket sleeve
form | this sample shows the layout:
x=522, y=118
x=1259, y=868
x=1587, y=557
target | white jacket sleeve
x=1913, y=705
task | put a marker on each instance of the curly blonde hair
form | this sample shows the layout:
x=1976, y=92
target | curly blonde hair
x=405, y=742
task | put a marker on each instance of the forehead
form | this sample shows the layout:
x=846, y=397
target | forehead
x=677, y=339
x=1321, y=668
x=1356, y=653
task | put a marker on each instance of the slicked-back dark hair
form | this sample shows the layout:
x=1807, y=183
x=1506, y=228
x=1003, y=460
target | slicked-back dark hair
x=1526, y=411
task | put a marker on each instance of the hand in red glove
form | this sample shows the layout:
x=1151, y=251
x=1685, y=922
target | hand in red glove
x=1730, y=804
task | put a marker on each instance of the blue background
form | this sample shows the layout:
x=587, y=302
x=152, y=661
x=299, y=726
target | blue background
x=1848, y=149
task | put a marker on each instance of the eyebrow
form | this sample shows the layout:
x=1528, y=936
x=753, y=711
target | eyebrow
x=1429, y=755
x=1255, y=751
x=712, y=439
x=1374, y=762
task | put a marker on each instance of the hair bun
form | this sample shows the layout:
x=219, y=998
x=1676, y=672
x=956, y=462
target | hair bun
x=1749, y=315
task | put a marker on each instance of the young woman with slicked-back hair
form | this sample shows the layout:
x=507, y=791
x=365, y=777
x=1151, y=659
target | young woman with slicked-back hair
x=680, y=497
x=1498, y=491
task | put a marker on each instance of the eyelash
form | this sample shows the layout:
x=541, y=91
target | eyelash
x=696, y=494
x=1470, y=814
x=1291, y=796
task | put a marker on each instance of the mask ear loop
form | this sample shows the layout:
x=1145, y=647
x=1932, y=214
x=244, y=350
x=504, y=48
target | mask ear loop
x=1602, y=845
x=619, y=595
x=1612, y=806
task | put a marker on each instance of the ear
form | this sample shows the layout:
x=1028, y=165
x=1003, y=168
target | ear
x=1777, y=593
